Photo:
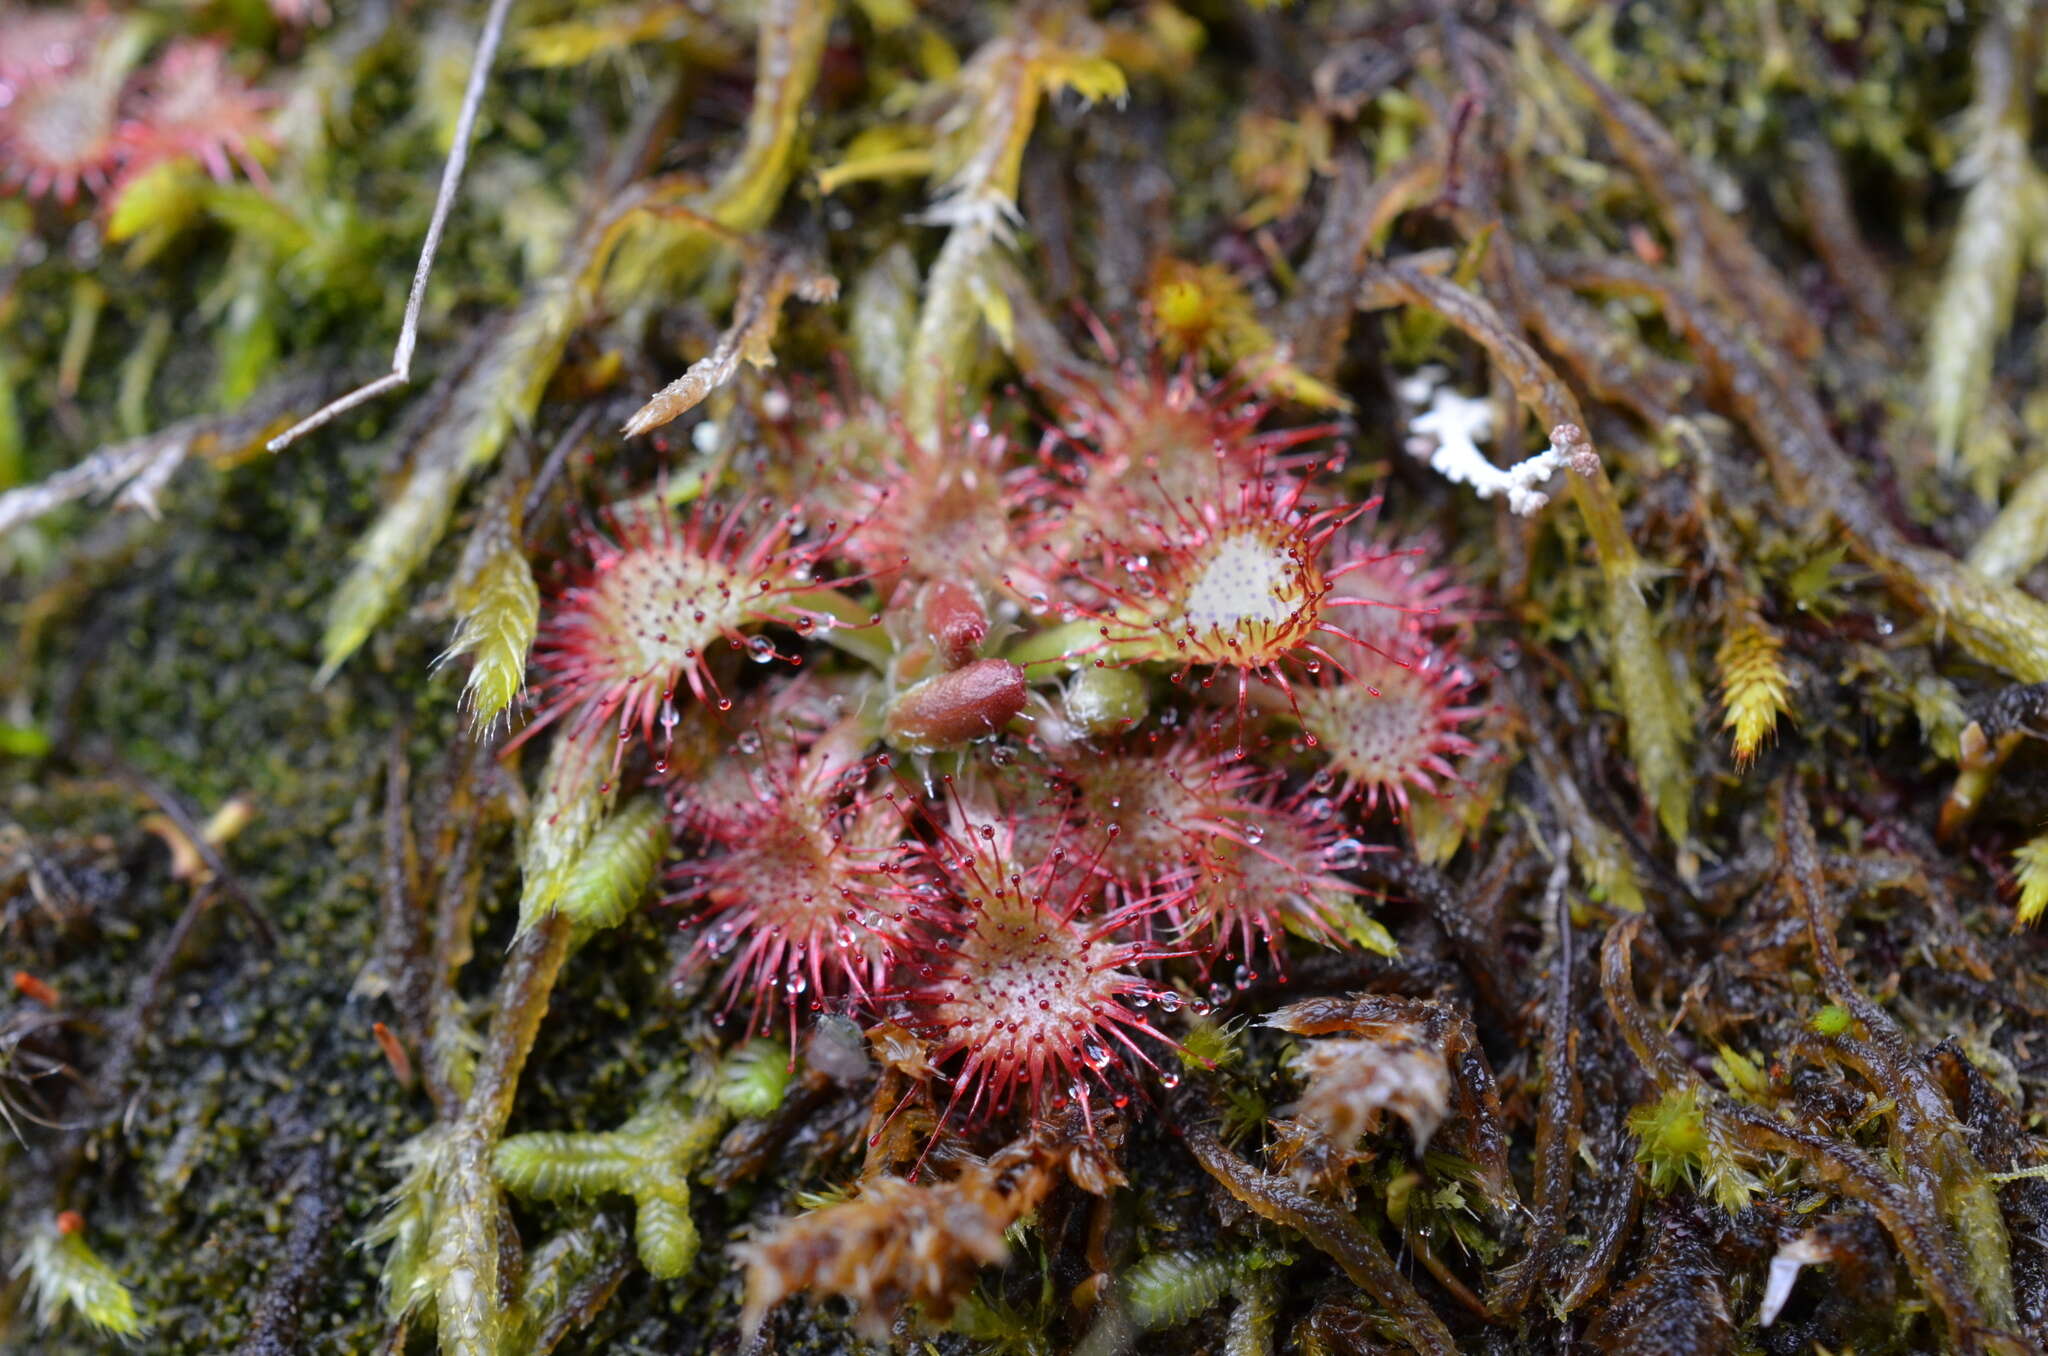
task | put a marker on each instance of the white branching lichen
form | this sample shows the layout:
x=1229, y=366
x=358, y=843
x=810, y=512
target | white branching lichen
x=1448, y=432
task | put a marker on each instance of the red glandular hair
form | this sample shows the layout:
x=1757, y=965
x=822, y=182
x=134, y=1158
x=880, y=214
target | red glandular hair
x=1279, y=868
x=1155, y=804
x=1407, y=598
x=1235, y=580
x=72, y=117
x=61, y=77
x=660, y=594
x=191, y=104
x=1135, y=435
x=794, y=891
x=1032, y=989
x=945, y=512
x=1390, y=728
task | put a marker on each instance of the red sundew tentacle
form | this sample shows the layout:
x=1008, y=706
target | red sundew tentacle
x=1149, y=806
x=1285, y=863
x=946, y=511
x=191, y=104
x=1028, y=987
x=1230, y=581
x=804, y=877
x=61, y=79
x=1397, y=732
x=637, y=626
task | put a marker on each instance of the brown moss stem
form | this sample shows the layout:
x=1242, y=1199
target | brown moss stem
x=1330, y=1229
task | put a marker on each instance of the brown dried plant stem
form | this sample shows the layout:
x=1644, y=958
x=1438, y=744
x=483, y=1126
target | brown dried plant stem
x=1994, y=622
x=1330, y=1229
x=1931, y=1144
x=1561, y=1108
x=1920, y=1235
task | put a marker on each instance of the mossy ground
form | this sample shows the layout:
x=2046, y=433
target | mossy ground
x=230, y=1134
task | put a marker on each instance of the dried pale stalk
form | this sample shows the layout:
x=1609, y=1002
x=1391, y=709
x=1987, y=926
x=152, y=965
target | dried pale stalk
x=137, y=469
x=444, y=200
x=881, y=319
x=1005, y=83
x=2002, y=211
x=770, y=278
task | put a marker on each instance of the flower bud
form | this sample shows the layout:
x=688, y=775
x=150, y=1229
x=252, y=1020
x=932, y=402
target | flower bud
x=955, y=620
x=955, y=708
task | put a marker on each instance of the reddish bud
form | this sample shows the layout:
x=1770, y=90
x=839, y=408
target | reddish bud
x=955, y=620
x=394, y=1054
x=956, y=708
x=70, y=1222
x=30, y=987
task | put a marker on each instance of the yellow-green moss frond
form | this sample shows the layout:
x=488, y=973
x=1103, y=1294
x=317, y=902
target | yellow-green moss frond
x=1170, y=1288
x=1755, y=689
x=981, y=156
x=501, y=610
x=1647, y=690
x=664, y=1233
x=755, y=1078
x=612, y=31
x=498, y=603
x=1682, y=1145
x=615, y=868
x=2032, y=861
x=13, y=441
x=498, y=392
x=64, y=1274
x=2017, y=539
x=406, y=1281
x=573, y=797
x=649, y=1158
x=1203, y=309
x=655, y=253
x=553, y=1166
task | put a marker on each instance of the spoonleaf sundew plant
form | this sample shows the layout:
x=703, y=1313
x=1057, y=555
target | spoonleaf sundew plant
x=1264, y=676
